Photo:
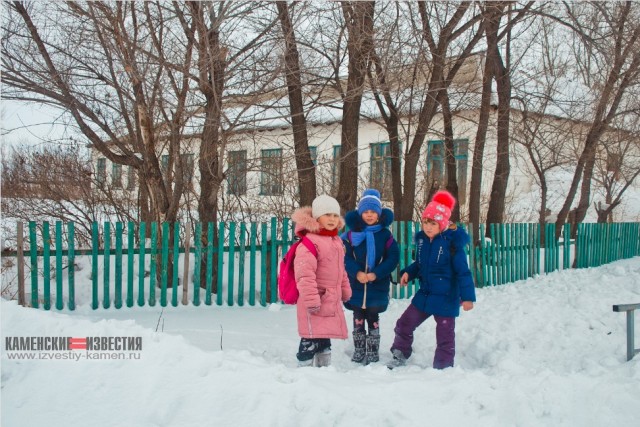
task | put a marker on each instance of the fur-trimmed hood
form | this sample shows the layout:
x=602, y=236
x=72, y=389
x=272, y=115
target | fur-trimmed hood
x=354, y=220
x=305, y=223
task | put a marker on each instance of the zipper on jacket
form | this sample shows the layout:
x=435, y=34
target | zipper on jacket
x=364, y=296
x=440, y=252
x=309, y=325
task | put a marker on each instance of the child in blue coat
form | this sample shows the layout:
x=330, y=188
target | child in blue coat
x=445, y=283
x=371, y=256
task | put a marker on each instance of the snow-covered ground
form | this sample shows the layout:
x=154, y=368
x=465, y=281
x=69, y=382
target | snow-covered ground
x=547, y=351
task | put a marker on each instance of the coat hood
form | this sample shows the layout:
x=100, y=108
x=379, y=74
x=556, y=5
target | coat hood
x=354, y=220
x=305, y=223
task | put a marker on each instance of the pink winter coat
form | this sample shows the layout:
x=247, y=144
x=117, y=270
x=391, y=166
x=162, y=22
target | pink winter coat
x=322, y=282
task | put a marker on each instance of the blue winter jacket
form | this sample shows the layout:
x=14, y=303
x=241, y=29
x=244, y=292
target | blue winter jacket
x=442, y=268
x=386, y=261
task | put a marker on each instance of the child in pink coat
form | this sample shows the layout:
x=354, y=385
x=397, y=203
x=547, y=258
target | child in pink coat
x=322, y=282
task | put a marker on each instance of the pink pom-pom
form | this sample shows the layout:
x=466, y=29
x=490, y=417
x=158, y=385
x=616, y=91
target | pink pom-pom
x=444, y=198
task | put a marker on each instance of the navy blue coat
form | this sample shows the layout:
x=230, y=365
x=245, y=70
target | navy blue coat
x=386, y=262
x=442, y=268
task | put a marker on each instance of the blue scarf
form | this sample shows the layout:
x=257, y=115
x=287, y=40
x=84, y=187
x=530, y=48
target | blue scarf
x=359, y=237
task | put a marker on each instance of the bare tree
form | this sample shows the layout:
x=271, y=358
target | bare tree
x=111, y=67
x=358, y=18
x=438, y=54
x=58, y=183
x=501, y=73
x=616, y=168
x=607, y=53
x=305, y=167
x=544, y=136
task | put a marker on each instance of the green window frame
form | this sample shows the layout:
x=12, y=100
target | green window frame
x=116, y=175
x=313, y=151
x=131, y=178
x=237, y=173
x=380, y=169
x=436, y=169
x=271, y=179
x=188, y=167
x=101, y=171
x=164, y=164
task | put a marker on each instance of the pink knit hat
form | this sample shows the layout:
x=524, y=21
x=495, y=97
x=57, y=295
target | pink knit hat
x=439, y=208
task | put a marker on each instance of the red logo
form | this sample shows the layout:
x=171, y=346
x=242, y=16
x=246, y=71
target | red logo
x=78, y=344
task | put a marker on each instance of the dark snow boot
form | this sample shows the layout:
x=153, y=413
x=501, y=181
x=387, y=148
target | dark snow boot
x=359, y=339
x=322, y=358
x=398, y=359
x=373, y=346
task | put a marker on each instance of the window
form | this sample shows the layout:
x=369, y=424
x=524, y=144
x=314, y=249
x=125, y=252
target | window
x=271, y=180
x=314, y=155
x=237, y=173
x=164, y=164
x=116, y=175
x=131, y=178
x=380, y=169
x=436, y=169
x=101, y=174
x=187, y=168
x=335, y=169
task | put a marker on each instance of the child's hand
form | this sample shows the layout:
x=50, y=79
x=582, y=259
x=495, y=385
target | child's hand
x=371, y=277
x=404, y=279
x=362, y=277
x=467, y=305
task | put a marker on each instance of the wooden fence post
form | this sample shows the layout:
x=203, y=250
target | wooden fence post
x=176, y=263
x=71, y=257
x=142, y=253
x=21, y=294
x=231, y=263
x=241, y=262
x=197, y=239
x=130, y=251
x=59, y=301
x=106, y=273
x=46, y=242
x=185, y=274
x=220, y=255
x=252, y=265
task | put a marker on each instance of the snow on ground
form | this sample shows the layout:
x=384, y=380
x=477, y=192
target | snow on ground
x=547, y=351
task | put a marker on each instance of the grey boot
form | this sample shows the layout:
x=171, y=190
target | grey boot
x=359, y=339
x=373, y=346
x=399, y=359
x=322, y=358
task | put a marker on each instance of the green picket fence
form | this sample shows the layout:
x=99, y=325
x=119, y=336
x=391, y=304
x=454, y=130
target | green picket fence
x=248, y=256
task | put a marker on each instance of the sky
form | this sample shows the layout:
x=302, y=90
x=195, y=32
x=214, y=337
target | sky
x=547, y=351
x=29, y=124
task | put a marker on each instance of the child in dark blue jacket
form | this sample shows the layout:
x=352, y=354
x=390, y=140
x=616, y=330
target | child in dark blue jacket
x=445, y=283
x=371, y=256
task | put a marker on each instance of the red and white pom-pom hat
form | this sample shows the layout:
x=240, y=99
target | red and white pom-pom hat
x=439, y=208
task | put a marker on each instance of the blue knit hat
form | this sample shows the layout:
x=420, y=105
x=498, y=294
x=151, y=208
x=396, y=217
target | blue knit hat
x=370, y=201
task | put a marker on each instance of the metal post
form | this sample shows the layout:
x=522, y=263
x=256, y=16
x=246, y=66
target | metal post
x=630, y=334
x=629, y=309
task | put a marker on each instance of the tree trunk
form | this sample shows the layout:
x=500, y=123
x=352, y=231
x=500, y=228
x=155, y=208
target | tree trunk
x=495, y=212
x=304, y=165
x=475, y=187
x=623, y=56
x=450, y=160
x=359, y=20
x=211, y=83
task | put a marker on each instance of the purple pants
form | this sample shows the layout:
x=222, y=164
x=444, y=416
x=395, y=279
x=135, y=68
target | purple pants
x=445, y=335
